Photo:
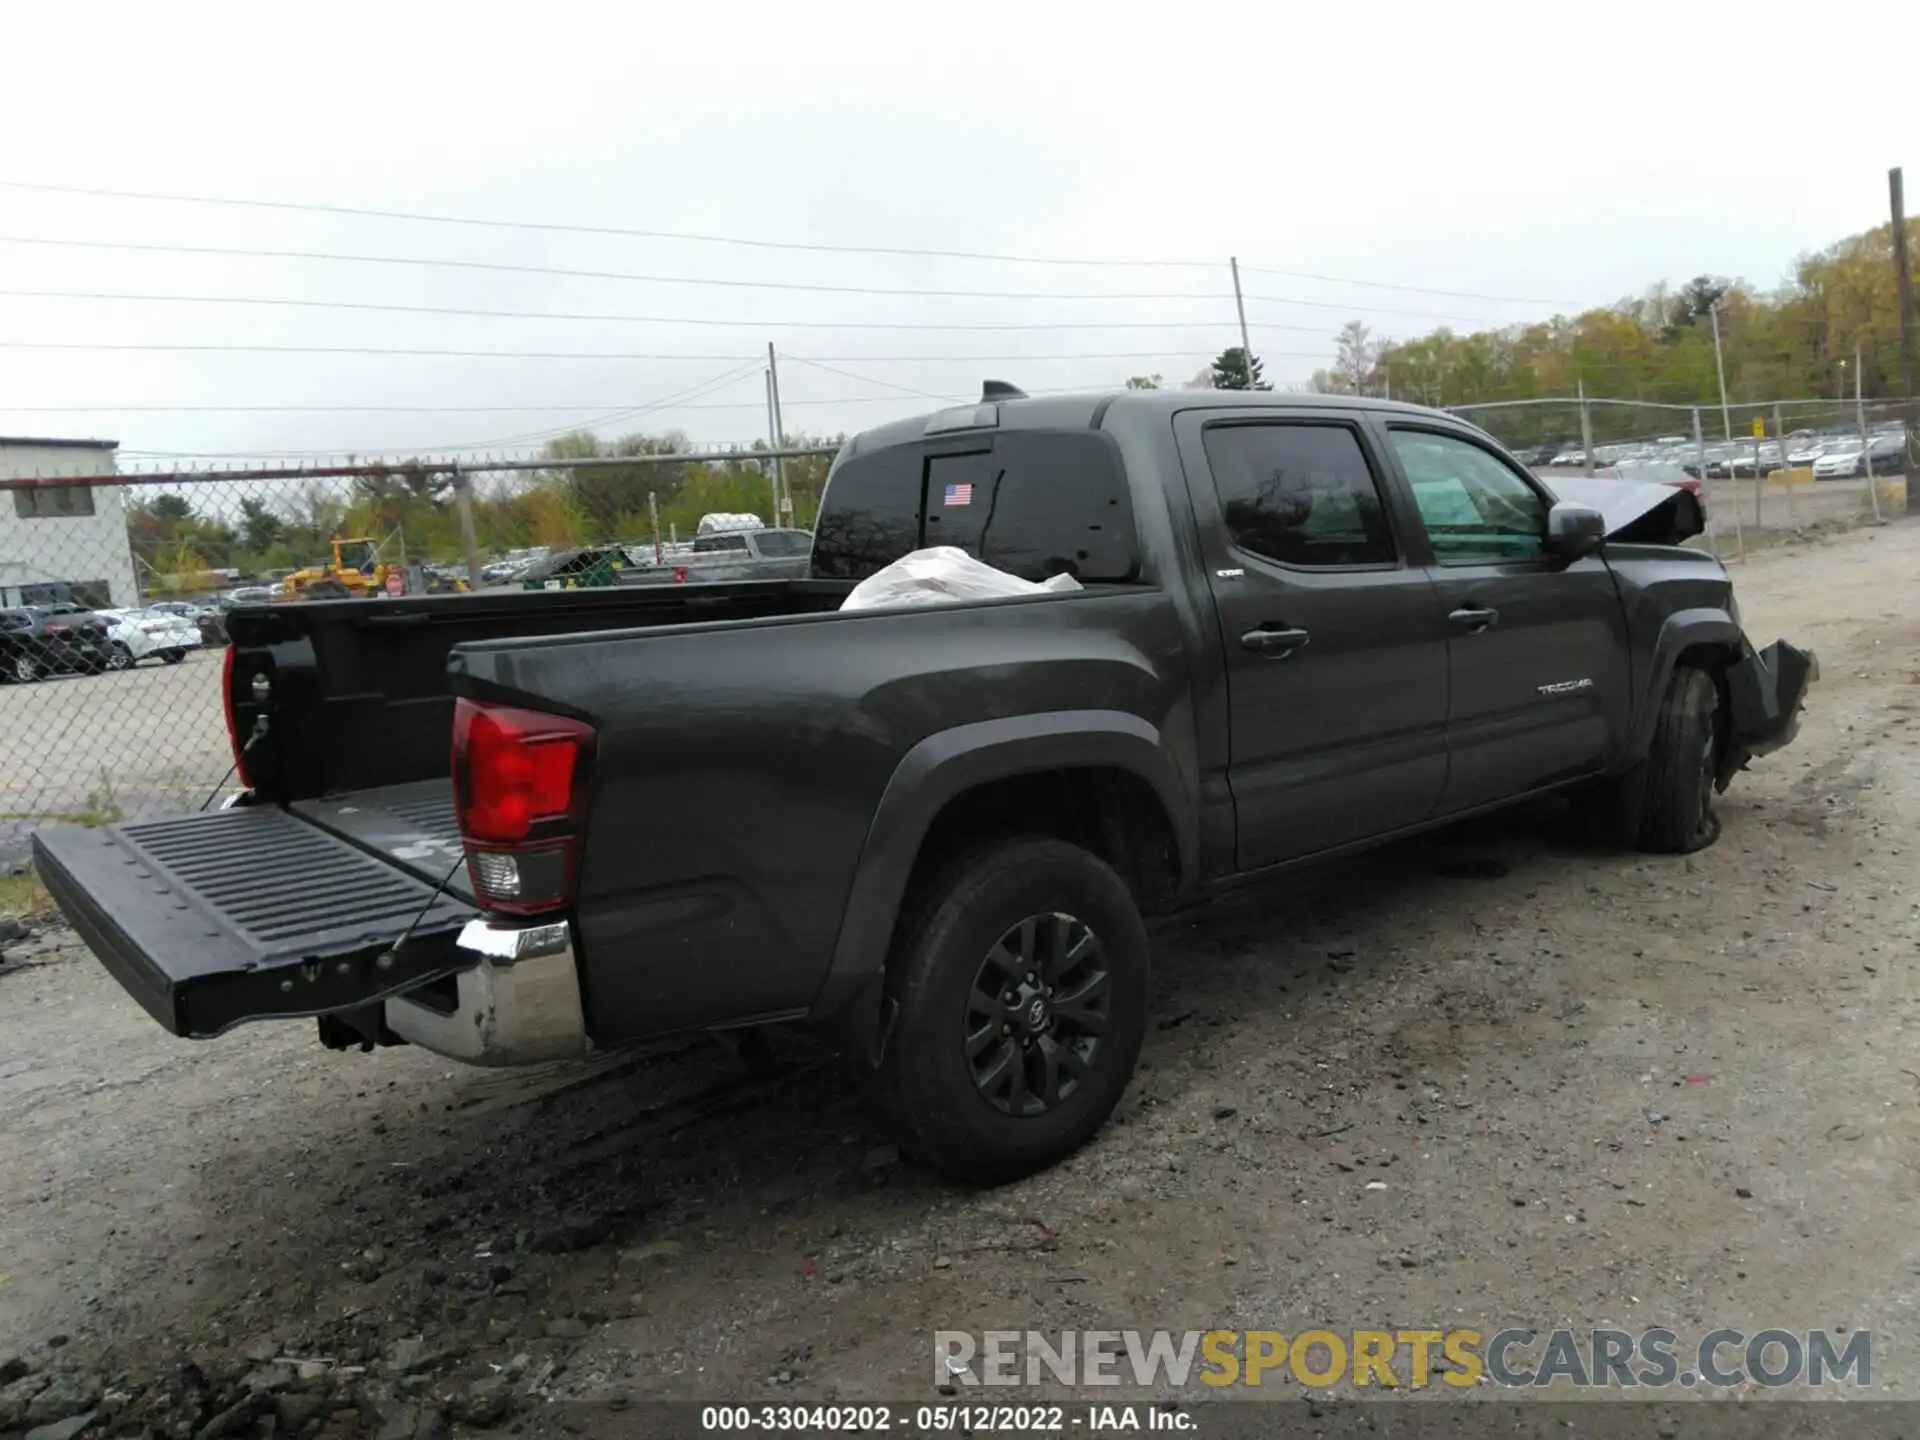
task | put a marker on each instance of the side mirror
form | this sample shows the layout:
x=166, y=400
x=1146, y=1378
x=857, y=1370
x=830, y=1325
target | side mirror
x=1575, y=530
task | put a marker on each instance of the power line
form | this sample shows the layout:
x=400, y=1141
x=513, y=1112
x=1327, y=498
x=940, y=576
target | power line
x=169, y=346
x=1409, y=289
x=798, y=246
x=612, y=230
x=441, y=409
x=146, y=247
x=864, y=379
x=723, y=381
x=596, y=319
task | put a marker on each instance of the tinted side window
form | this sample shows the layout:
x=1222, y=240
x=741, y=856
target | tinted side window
x=1033, y=503
x=1299, y=494
x=779, y=544
x=1474, y=507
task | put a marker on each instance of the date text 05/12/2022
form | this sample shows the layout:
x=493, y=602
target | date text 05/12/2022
x=946, y=1419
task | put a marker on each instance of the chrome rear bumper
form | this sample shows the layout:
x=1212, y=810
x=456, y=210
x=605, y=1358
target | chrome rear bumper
x=520, y=1005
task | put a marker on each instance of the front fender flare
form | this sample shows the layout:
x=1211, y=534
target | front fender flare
x=1679, y=632
x=951, y=762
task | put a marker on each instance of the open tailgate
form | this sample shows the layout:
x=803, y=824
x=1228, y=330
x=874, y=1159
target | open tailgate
x=253, y=913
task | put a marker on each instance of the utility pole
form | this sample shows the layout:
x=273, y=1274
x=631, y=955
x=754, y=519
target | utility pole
x=773, y=433
x=1910, y=458
x=783, y=504
x=1720, y=368
x=463, y=504
x=1240, y=304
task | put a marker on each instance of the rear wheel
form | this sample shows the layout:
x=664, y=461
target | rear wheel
x=23, y=669
x=119, y=657
x=1023, y=991
x=173, y=657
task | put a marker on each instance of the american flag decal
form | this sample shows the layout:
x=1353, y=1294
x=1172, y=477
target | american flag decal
x=961, y=494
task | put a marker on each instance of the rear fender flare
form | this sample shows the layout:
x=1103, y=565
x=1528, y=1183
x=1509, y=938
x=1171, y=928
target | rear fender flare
x=951, y=762
x=1679, y=632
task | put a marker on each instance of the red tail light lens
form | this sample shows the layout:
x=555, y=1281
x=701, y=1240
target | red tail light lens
x=519, y=786
x=233, y=724
x=679, y=575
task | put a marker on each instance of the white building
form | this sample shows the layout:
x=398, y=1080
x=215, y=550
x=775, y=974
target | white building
x=61, y=542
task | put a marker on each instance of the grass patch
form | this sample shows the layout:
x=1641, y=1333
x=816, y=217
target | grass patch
x=23, y=897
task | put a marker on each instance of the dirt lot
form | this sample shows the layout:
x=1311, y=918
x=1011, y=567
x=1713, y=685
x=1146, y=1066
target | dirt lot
x=1484, y=1079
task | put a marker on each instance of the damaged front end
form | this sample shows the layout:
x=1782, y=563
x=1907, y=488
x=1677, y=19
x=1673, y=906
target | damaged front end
x=1765, y=692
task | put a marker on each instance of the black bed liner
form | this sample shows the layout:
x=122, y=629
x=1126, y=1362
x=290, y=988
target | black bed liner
x=249, y=914
x=412, y=825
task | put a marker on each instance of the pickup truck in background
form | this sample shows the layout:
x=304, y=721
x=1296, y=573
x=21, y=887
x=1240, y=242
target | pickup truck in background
x=728, y=555
x=1307, y=625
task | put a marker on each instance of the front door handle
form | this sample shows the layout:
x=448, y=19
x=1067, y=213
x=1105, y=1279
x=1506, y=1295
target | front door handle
x=1474, y=617
x=1277, y=642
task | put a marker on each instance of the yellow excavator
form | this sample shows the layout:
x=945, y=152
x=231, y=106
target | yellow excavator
x=356, y=571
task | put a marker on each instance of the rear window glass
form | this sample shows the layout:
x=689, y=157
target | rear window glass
x=1034, y=503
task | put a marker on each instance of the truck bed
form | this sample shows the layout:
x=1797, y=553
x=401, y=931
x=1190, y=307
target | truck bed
x=412, y=825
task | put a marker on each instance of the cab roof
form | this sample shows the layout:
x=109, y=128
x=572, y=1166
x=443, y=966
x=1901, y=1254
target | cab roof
x=1002, y=408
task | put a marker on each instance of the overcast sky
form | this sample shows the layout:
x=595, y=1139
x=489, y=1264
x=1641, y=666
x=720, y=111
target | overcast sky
x=1552, y=157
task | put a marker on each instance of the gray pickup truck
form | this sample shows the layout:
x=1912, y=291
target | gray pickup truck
x=728, y=555
x=513, y=827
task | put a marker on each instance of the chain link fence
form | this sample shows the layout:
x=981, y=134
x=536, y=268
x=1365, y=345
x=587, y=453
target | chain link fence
x=114, y=587
x=1769, y=470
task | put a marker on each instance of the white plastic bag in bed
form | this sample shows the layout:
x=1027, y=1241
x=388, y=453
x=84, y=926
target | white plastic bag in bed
x=945, y=575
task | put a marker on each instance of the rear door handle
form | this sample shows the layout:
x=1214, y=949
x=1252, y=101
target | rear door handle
x=1276, y=642
x=1474, y=617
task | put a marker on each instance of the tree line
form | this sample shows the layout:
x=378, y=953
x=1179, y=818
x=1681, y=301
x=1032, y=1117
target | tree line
x=1833, y=323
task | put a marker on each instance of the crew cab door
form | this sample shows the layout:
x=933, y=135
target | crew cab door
x=1538, y=679
x=1336, y=650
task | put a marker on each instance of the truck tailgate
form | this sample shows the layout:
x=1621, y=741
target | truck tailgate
x=247, y=914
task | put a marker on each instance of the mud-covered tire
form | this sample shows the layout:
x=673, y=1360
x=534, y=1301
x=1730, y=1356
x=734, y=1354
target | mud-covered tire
x=1677, y=814
x=938, y=1074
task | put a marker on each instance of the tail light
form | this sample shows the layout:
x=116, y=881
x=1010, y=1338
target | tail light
x=679, y=575
x=520, y=787
x=233, y=723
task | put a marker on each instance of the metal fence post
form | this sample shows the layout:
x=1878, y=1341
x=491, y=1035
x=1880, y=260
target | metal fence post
x=1866, y=443
x=1706, y=487
x=1780, y=434
x=463, y=502
x=1586, y=427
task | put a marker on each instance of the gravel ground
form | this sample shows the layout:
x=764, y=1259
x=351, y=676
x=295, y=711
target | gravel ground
x=1482, y=1079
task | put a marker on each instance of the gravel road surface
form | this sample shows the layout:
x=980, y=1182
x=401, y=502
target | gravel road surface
x=1488, y=1078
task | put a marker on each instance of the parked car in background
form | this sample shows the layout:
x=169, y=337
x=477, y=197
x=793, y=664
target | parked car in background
x=136, y=635
x=36, y=641
x=1839, y=461
x=1885, y=452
